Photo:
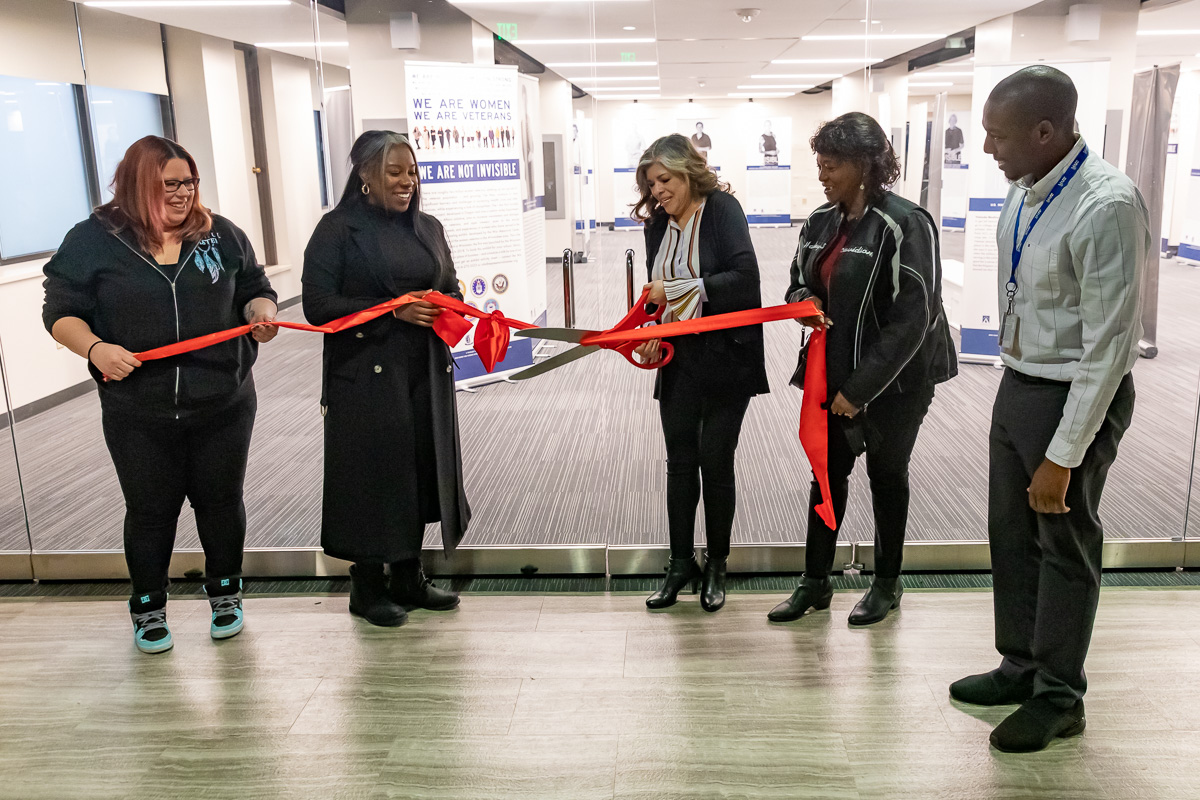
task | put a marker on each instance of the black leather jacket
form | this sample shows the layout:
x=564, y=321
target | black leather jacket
x=885, y=299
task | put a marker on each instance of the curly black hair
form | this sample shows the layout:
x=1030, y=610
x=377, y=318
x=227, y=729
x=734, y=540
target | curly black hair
x=858, y=137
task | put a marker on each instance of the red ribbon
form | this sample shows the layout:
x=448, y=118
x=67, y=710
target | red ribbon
x=491, y=344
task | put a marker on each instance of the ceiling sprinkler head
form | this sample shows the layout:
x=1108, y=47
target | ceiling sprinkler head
x=748, y=14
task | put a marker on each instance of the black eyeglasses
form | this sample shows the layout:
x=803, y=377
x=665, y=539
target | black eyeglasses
x=173, y=186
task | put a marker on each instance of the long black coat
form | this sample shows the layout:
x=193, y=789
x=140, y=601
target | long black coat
x=728, y=362
x=372, y=400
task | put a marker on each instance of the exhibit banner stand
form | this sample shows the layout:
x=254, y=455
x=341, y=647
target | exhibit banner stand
x=980, y=316
x=768, y=145
x=632, y=133
x=476, y=178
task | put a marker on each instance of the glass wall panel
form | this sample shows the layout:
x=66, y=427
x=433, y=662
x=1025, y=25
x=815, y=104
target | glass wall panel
x=119, y=118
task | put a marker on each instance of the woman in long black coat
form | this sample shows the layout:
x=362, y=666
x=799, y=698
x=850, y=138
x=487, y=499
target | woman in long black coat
x=392, y=456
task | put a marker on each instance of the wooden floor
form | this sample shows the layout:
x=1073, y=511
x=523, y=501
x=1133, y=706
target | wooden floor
x=571, y=697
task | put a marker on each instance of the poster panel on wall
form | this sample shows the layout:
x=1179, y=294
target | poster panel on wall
x=468, y=124
x=767, y=142
x=632, y=133
x=987, y=190
x=708, y=135
x=955, y=163
x=533, y=202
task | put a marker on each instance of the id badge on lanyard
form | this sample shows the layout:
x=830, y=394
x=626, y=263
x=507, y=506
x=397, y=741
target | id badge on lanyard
x=1010, y=322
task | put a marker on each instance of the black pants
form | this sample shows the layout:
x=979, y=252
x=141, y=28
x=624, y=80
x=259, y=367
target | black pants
x=1046, y=567
x=890, y=425
x=159, y=463
x=701, y=432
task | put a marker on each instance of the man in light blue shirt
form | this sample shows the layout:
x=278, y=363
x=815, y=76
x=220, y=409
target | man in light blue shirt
x=1073, y=239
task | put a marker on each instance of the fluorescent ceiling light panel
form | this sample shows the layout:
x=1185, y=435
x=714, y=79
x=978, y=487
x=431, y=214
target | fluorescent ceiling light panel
x=921, y=85
x=603, y=64
x=300, y=44
x=581, y=41
x=795, y=75
x=1184, y=32
x=184, y=3
x=870, y=37
x=780, y=86
x=941, y=74
x=337, y=88
x=589, y=79
x=825, y=61
x=625, y=89
x=534, y=2
x=760, y=94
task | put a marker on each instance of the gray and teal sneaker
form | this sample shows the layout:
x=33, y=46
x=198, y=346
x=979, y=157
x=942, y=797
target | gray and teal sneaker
x=225, y=598
x=150, y=631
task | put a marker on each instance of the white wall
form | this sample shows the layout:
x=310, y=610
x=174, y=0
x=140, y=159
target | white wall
x=806, y=112
x=556, y=119
x=39, y=40
x=122, y=52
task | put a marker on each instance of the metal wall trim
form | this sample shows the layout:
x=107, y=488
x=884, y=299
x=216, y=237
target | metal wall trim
x=578, y=559
x=15, y=566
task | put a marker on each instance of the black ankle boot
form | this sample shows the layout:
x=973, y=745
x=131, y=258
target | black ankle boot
x=411, y=589
x=712, y=589
x=882, y=597
x=369, y=597
x=812, y=593
x=680, y=572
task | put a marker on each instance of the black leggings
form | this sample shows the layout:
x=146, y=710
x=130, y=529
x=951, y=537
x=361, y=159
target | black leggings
x=701, y=433
x=159, y=463
x=891, y=425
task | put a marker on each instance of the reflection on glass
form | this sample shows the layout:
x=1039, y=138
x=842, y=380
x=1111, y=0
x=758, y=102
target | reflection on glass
x=119, y=118
x=43, y=188
x=14, y=535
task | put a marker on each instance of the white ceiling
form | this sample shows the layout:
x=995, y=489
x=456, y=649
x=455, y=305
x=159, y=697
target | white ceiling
x=705, y=40
x=254, y=24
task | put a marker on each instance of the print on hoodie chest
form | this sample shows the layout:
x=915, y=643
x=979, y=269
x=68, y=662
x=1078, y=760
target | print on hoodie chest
x=208, y=257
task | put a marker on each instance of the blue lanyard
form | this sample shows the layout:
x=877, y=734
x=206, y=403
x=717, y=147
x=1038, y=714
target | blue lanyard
x=1055, y=191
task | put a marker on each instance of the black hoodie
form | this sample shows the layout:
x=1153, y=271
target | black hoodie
x=128, y=299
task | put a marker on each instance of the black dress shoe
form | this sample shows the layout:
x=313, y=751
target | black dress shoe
x=812, y=593
x=712, y=589
x=991, y=689
x=369, y=597
x=1036, y=724
x=411, y=589
x=680, y=572
x=881, y=598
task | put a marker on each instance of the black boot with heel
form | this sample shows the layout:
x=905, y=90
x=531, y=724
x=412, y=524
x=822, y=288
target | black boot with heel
x=880, y=599
x=712, y=588
x=814, y=593
x=680, y=572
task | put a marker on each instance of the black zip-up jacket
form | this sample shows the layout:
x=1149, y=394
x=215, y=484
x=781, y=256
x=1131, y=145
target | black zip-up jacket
x=889, y=332
x=128, y=299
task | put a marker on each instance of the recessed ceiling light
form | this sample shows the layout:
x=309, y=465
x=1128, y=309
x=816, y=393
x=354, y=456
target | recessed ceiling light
x=183, y=3
x=629, y=28
x=760, y=94
x=872, y=37
x=625, y=89
x=779, y=86
x=603, y=64
x=873, y=22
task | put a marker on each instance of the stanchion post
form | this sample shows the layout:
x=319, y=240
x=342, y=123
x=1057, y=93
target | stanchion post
x=568, y=261
x=629, y=277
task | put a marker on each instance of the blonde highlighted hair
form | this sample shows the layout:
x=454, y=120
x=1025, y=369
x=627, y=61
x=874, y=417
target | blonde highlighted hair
x=678, y=156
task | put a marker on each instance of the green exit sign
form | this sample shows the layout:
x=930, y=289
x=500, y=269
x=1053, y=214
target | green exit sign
x=628, y=57
x=507, y=30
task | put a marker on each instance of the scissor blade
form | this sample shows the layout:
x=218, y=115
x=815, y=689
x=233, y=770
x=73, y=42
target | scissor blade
x=573, y=354
x=555, y=334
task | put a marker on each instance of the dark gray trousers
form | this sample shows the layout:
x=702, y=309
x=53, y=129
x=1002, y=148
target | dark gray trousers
x=1046, y=567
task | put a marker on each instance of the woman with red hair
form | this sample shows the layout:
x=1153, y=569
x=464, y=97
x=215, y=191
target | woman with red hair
x=151, y=267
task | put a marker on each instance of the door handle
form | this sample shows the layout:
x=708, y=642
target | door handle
x=256, y=170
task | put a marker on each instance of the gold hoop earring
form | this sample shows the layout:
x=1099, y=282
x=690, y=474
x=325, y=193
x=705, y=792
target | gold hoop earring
x=862, y=188
x=366, y=189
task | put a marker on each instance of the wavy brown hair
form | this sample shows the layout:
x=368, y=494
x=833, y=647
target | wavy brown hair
x=857, y=137
x=678, y=156
x=139, y=197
